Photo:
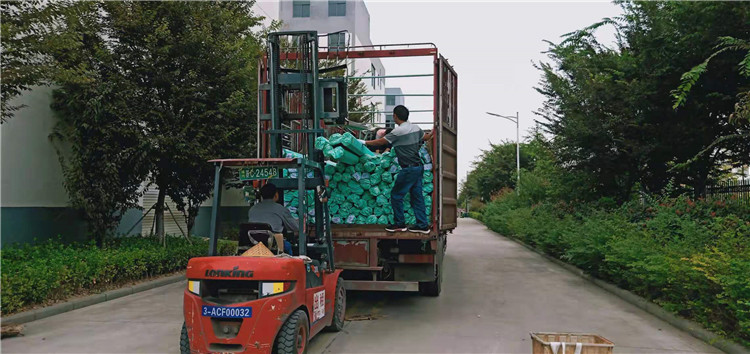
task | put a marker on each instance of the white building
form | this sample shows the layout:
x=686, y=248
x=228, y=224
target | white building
x=393, y=97
x=332, y=17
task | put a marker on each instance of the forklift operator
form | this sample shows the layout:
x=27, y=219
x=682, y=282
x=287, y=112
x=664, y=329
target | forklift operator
x=270, y=212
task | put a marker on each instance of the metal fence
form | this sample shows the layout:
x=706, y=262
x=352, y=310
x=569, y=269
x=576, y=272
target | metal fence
x=738, y=190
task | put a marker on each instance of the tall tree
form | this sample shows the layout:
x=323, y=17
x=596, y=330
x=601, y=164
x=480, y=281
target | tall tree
x=28, y=29
x=738, y=143
x=168, y=86
x=609, y=108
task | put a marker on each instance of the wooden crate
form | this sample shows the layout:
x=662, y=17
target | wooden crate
x=542, y=343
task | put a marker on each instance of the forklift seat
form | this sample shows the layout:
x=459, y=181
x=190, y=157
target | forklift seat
x=254, y=232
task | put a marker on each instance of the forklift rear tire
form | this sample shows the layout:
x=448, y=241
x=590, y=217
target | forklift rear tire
x=184, y=341
x=294, y=335
x=432, y=288
x=339, y=308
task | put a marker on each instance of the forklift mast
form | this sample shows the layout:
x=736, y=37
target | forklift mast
x=295, y=92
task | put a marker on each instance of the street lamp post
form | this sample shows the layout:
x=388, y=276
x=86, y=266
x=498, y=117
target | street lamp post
x=518, y=147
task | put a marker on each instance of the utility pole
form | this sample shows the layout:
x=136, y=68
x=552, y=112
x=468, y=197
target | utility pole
x=518, y=147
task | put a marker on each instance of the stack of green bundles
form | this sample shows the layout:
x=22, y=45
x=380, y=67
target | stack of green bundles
x=360, y=182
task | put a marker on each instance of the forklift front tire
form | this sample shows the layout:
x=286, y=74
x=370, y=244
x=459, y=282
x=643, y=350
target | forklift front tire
x=339, y=308
x=294, y=335
x=184, y=340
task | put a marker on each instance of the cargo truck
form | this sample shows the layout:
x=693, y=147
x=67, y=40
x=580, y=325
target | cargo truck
x=371, y=258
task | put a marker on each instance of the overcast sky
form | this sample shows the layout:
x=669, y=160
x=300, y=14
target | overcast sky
x=492, y=46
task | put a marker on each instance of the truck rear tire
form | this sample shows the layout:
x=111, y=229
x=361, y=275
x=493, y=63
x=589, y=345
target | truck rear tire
x=294, y=335
x=339, y=308
x=432, y=288
x=184, y=340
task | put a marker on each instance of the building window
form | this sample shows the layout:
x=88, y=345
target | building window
x=390, y=100
x=336, y=8
x=388, y=118
x=372, y=70
x=337, y=41
x=301, y=8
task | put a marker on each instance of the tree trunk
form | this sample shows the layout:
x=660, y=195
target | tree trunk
x=159, y=211
x=190, y=219
x=699, y=189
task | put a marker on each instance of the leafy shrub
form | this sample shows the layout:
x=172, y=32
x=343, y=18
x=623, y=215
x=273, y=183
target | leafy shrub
x=35, y=274
x=692, y=257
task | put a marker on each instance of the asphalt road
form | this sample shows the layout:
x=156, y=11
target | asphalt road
x=495, y=292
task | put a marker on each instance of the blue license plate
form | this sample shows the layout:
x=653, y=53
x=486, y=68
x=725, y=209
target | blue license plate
x=227, y=312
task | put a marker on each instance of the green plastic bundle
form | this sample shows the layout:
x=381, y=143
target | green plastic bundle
x=387, y=177
x=350, y=143
x=356, y=189
x=368, y=166
x=330, y=169
x=321, y=143
x=375, y=177
x=339, y=154
x=291, y=154
x=360, y=185
x=335, y=139
x=361, y=204
x=427, y=177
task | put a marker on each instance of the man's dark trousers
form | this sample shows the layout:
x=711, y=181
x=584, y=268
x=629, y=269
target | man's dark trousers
x=409, y=180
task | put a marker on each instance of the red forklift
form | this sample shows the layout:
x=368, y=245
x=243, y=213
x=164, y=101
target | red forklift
x=240, y=304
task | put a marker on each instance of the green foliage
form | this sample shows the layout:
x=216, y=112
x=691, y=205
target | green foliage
x=37, y=274
x=741, y=115
x=689, y=256
x=495, y=169
x=689, y=78
x=163, y=87
x=27, y=30
x=609, y=107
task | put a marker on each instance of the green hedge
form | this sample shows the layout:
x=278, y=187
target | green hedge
x=691, y=257
x=37, y=274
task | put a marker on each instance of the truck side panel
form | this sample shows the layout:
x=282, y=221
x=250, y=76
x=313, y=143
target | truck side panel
x=448, y=139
